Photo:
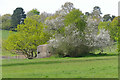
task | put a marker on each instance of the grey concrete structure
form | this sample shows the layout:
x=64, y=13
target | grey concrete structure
x=42, y=51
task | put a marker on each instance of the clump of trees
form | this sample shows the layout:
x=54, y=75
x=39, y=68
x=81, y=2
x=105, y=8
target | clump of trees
x=77, y=34
x=10, y=22
x=29, y=35
x=68, y=32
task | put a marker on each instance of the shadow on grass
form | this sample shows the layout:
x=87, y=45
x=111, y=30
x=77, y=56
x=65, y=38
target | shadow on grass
x=58, y=61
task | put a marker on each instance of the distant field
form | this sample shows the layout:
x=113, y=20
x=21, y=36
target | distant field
x=87, y=67
x=5, y=34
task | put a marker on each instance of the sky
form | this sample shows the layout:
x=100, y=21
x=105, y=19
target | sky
x=50, y=6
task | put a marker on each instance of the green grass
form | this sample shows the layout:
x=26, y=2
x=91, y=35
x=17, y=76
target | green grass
x=7, y=53
x=4, y=34
x=85, y=67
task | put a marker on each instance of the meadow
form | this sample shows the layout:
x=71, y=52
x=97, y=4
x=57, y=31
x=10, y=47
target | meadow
x=87, y=67
x=3, y=36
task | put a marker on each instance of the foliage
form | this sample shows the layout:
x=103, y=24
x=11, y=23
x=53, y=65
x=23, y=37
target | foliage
x=77, y=18
x=6, y=21
x=67, y=39
x=75, y=34
x=18, y=17
x=33, y=12
x=112, y=27
x=29, y=36
x=96, y=38
x=107, y=17
x=119, y=34
x=44, y=16
x=36, y=17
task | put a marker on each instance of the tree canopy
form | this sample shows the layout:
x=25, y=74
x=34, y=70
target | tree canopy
x=29, y=35
x=17, y=17
x=33, y=12
x=6, y=21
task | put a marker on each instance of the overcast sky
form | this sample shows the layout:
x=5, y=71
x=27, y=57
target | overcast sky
x=50, y=6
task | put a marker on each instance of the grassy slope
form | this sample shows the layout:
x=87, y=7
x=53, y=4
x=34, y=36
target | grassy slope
x=3, y=36
x=87, y=67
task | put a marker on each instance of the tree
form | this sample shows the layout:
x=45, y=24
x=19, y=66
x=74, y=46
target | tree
x=67, y=39
x=66, y=8
x=96, y=10
x=77, y=18
x=112, y=27
x=107, y=17
x=29, y=35
x=18, y=17
x=96, y=38
x=44, y=16
x=119, y=34
x=33, y=12
x=75, y=34
x=6, y=21
x=56, y=21
x=87, y=14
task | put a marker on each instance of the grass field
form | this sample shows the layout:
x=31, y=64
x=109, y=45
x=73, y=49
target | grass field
x=5, y=34
x=87, y=67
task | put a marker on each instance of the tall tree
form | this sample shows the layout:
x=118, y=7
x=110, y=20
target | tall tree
x=96, y=10
x=18, y=17
x=96, y=38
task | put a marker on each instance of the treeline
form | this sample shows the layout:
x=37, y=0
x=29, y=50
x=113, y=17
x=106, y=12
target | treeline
x=10, y=22
x=67, y=32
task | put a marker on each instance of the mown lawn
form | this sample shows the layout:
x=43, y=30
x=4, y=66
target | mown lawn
x=84, y=67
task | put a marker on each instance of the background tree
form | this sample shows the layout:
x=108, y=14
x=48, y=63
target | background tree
x=6, y=21
x=119, y=34
x=77, y=18
x=96, y=10
x=96, y=38
x=33, y=12
x=44, y=16
x=29, y=36
x=67, y=39
x=112, y=27
x=18, y=17
x=87, y=14
x=107, y=17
